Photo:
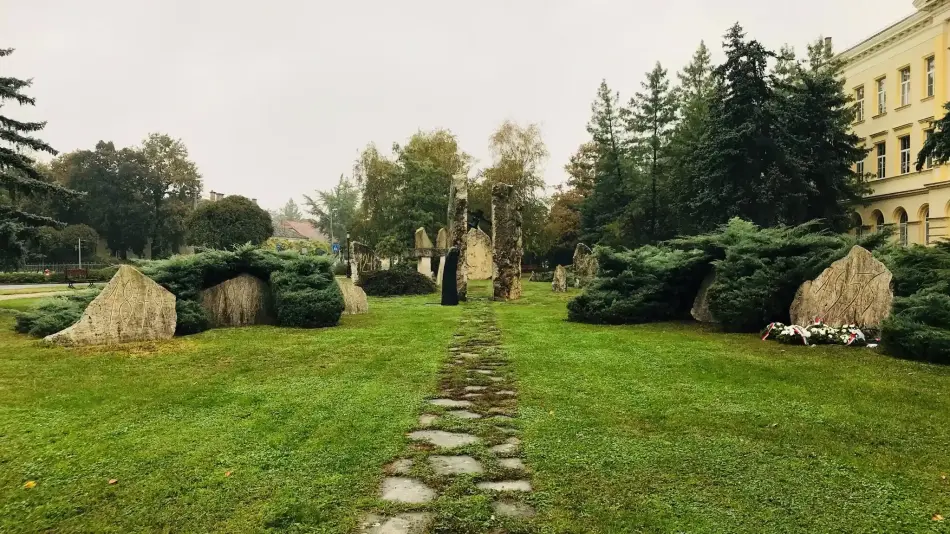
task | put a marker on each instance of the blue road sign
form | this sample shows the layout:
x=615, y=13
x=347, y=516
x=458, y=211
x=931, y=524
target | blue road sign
x=336, y=248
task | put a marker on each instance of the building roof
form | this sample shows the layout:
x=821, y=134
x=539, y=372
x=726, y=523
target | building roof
x=900, y=29
x=299, y=230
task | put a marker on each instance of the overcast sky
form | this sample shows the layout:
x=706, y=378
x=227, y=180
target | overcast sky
x=275, y=99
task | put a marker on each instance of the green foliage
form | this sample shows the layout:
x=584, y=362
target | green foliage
x=95, y=275
x=54, y=314
x=919, y=328
x=338, y=206
x=917, y=268
x=60, y=245
x=400, y=280
x=191, y=317
x=230, y=222
x=651, y=283
x=937, y=147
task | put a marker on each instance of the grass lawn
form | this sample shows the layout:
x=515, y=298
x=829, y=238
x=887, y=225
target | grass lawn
x=669, y=428
x=44, y=288
x=302, y=419
x=19, y=304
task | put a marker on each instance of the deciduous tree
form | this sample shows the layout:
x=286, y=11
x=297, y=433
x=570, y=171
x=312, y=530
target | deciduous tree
x=230, y=222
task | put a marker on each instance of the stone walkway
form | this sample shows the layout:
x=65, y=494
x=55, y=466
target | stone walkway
x=461, y=471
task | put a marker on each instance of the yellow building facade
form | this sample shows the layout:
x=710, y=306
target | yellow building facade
x=899, y=79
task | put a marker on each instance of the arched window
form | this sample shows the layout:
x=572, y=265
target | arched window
x=925, y=223
x=901, y=217
x=878, y=219
x=857, y=224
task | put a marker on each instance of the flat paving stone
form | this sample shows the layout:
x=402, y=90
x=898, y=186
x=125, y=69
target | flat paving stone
x=476, y=388
x=407, y=490
x=512, y=509
x=496, y=379
x=508, y=447
x=410, y=523
x=511, y=463
x=507, y=392
x=464, y=414
x=455, y=465
x=450, y=403
x=473, y=395
x=468, y=355
x=507, y=430
x=427, y=419
x=484, y=371
x=441, y=438
x=400, y=467
x=503, y=418
x=505, y=485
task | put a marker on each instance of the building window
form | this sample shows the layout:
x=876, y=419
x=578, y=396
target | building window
x=905, y=87
x=881, y=160
x=903, y=228
x=882, y=96
x=905, y=154
x=859, y=168
x=859, y=104
x=930, y=159
x=931, y=75
x=878, y=221
x=926, y=217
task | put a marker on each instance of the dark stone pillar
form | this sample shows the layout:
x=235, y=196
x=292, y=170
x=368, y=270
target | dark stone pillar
x=506, y=242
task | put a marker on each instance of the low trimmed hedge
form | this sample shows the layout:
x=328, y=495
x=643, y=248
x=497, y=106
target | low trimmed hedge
x=95, y=275
x=400, y=280
x=54, y=314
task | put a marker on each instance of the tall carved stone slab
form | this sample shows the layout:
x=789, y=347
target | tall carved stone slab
x=354, y=298
x=441, y=243
x=585, y=265
x=423, y=243
x=478, y=255
x=131, y=307
x=241, y=301
x=362, y=260
x=856, y=289
x=458, y=226
x=559, y=283
x=506, y=242
x=700, y=310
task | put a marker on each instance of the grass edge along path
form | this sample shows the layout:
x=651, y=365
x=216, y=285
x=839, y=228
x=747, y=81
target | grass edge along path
x=461, y=472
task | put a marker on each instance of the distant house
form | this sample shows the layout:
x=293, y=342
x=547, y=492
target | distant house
x=299, y=230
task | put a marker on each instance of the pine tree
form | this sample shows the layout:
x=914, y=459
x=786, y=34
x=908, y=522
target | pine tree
x=19, y=179
x=603, y=208
x=737, y=150
x=649, y=122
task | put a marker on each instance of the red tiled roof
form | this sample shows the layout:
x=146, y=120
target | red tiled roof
x=305, y=229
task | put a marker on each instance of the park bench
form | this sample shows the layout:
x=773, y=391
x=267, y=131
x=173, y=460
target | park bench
x=77, y=275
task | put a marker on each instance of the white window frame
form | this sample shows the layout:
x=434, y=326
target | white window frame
x=859, y=168
x=930, y=160
x=859, y=104
x=905, y=154
x=905, y=86
x=931, y=75
x=881, y=159
x=882, y=96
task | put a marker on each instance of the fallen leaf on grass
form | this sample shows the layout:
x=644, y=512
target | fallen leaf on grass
x=227, y=473
x=30, y=484
x=113, y=482
x=937, y=517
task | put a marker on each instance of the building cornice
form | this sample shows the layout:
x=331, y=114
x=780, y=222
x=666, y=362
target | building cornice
x=896, y=32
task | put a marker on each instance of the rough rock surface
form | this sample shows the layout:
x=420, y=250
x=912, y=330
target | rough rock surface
x=354, y=298
x=450, y=294
x=131, y=307
x=478, y=255
x=363, y=260
x=442, y=244
x=585, y=265
x=407, y=523
x=700, y=310
x=506, y=242
x=241, y=301
x=458, y=226
x=424, y=252
x=856, y=289
x=559, y=284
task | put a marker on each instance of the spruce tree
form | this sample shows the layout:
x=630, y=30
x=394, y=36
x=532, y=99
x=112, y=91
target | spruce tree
x=19, y=179
x=603, y=208
x=737, y=151
x=650, y=121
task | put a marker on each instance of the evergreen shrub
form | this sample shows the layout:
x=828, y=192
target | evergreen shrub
x=402, y=279
x=54, y=314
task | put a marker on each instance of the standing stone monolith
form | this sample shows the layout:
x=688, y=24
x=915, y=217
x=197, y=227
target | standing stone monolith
x=241, y=301
x=855, y=290
x=132, y=307
x=559, y=283
x=506, y=242
x=450, y=296
x=424, y=252
x=700, y=310
x=458, y=227
x=585, y=265
x=363, y=260
x=478, y=255
x=354, y=298
x=442, y=244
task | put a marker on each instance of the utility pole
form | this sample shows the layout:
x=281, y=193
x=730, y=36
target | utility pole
x=79, y=248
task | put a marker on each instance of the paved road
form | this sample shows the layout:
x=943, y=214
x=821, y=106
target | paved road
x=39, y=287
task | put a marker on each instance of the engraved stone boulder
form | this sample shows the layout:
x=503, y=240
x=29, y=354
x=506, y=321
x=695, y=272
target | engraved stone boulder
x=585, y=265
x=700, y=310
x=132, y=307
x=241, y=301
x=559, y=283
x=458, y=226
x=856, y=289
x=478, y=255
x=354, y=298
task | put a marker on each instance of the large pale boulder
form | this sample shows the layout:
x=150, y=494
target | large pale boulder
x=423, y=252
x=458, y=226
x=507, y=248
x=442, y=244
x=856, y=289
x=700, y=310
x=478, y=255
x=241, y=301
x=559, y=283
x=354, y=298
x=132, y=307
x=585, y=265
